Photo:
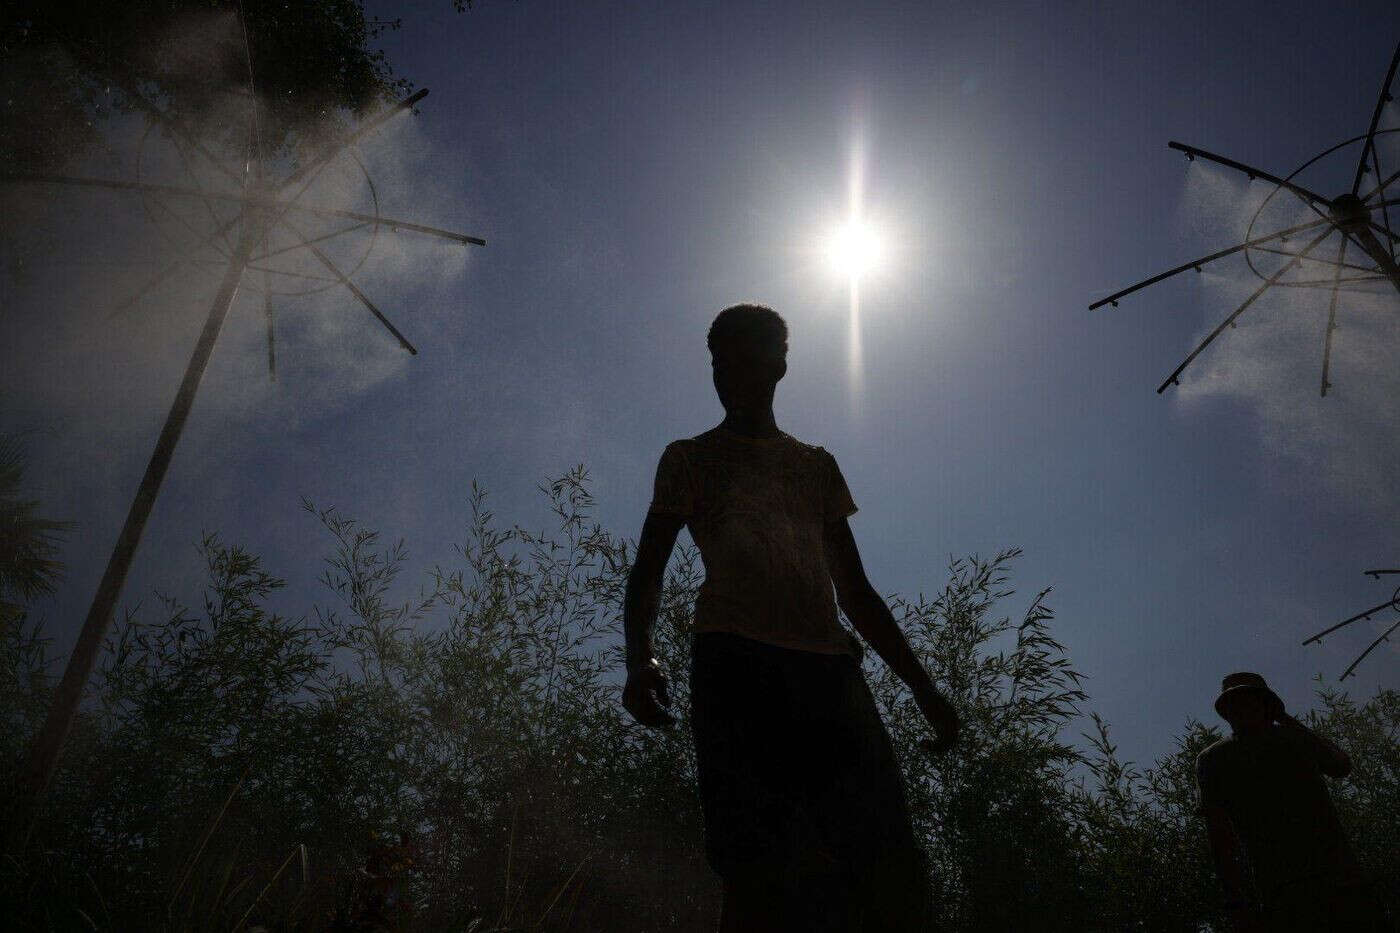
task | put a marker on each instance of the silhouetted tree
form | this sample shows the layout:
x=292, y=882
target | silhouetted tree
x=29, y=543
x=456, y=757
x=66, y=66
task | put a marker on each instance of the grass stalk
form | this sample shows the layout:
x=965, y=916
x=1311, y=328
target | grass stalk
x=204, y=841
x=267, y=887
x=559, y=893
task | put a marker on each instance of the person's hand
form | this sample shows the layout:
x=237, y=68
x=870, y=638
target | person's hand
x=647, y=695
x=941, y=715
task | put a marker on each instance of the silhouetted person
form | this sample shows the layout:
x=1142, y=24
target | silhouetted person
x=1264, y=801
x=806, y=821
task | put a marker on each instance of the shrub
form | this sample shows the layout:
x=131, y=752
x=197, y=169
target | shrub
x=458, y=758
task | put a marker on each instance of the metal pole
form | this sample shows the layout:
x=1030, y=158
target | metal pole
x=271, y=201
x=44, y=752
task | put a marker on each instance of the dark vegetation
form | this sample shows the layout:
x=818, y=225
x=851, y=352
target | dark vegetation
x=459, y=759
x=73, y=73
x=67, y=66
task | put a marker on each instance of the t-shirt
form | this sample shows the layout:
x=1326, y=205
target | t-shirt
x=1270, y=783
x=758, y=509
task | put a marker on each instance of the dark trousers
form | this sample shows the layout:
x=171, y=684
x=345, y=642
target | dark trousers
x=800, y=788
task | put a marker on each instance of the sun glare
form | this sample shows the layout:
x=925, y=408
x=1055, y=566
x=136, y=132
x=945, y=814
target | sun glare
x=853, y=249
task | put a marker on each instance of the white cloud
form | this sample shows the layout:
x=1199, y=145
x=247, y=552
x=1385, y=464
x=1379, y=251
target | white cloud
x=1272, y=362
x=88, y=249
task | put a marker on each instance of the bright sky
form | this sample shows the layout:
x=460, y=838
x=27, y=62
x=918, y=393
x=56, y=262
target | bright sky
x=637, y=167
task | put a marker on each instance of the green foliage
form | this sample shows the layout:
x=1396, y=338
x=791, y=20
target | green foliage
x=455, y=757
x=29, y=544
x=996, y=810
x=29, y=570
x=1368, y=801
x=1142, y=841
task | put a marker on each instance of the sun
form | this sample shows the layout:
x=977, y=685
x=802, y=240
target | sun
x=854, y=248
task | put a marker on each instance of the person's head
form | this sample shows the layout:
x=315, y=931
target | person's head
x=748, y=353
x=1246, y=702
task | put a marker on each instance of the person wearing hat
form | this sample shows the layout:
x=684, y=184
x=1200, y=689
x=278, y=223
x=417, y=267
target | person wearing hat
x=1265, y=802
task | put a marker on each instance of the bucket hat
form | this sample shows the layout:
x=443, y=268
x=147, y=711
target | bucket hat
x=1241, y=682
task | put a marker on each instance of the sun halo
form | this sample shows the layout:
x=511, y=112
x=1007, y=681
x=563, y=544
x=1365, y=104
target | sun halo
x=854, y=249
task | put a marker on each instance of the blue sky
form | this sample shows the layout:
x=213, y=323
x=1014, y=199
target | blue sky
x=636, y=167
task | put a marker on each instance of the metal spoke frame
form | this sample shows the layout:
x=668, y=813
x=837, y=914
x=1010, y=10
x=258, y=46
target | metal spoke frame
x=1317, y=259
x=1198, y=263
x=349, y=283
x=1390, y=180
x=1311, y=198
x=1173, y=379
x=270, y=201
x=1352, y=217
x=259, y=211
x=1364, y=615
x=1331, y=321
x=1381, y=99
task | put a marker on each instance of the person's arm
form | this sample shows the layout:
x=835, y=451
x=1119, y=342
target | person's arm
x=873, y=620
x=1330, y=758
x=1225, y=849
x=646, y=695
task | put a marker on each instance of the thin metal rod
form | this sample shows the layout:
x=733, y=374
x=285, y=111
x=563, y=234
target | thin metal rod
x=44, y=752
x=165, y=273
x=1376, y=574
x=190, y=227
x=92, y=55
x=1385, y=211
x=335, y=146
x=253, y=267
x=1376, y=119
x=332, y=148
x=267, y=284
x=155, y=280
x=355, y=290
x=177, y=127
x=1312, y=197
x=271, y=329
x=320, y=239
x=1391, y=235
x=1383, y=185
x=284, y=272
x=1385, y=636
x=397, y=225
x=1362, y=236
x=1356, y=618
x=1317, y=259
x=208, y=207
x=308, y=173
x=151, y=124
x=169, y=270
x=1349, y=283
x=1298, y=171
x=1315, y=159
x=1241, y=309
x=1332, y=319
x=254, y=200
x=1197, y=263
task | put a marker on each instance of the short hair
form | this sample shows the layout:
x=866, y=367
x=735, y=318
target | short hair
x=758, y=327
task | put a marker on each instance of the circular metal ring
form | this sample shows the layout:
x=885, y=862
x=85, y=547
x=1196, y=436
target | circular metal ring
x=303, y=245
x=149, y=199
x=150, y=202
x=1249, y=232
